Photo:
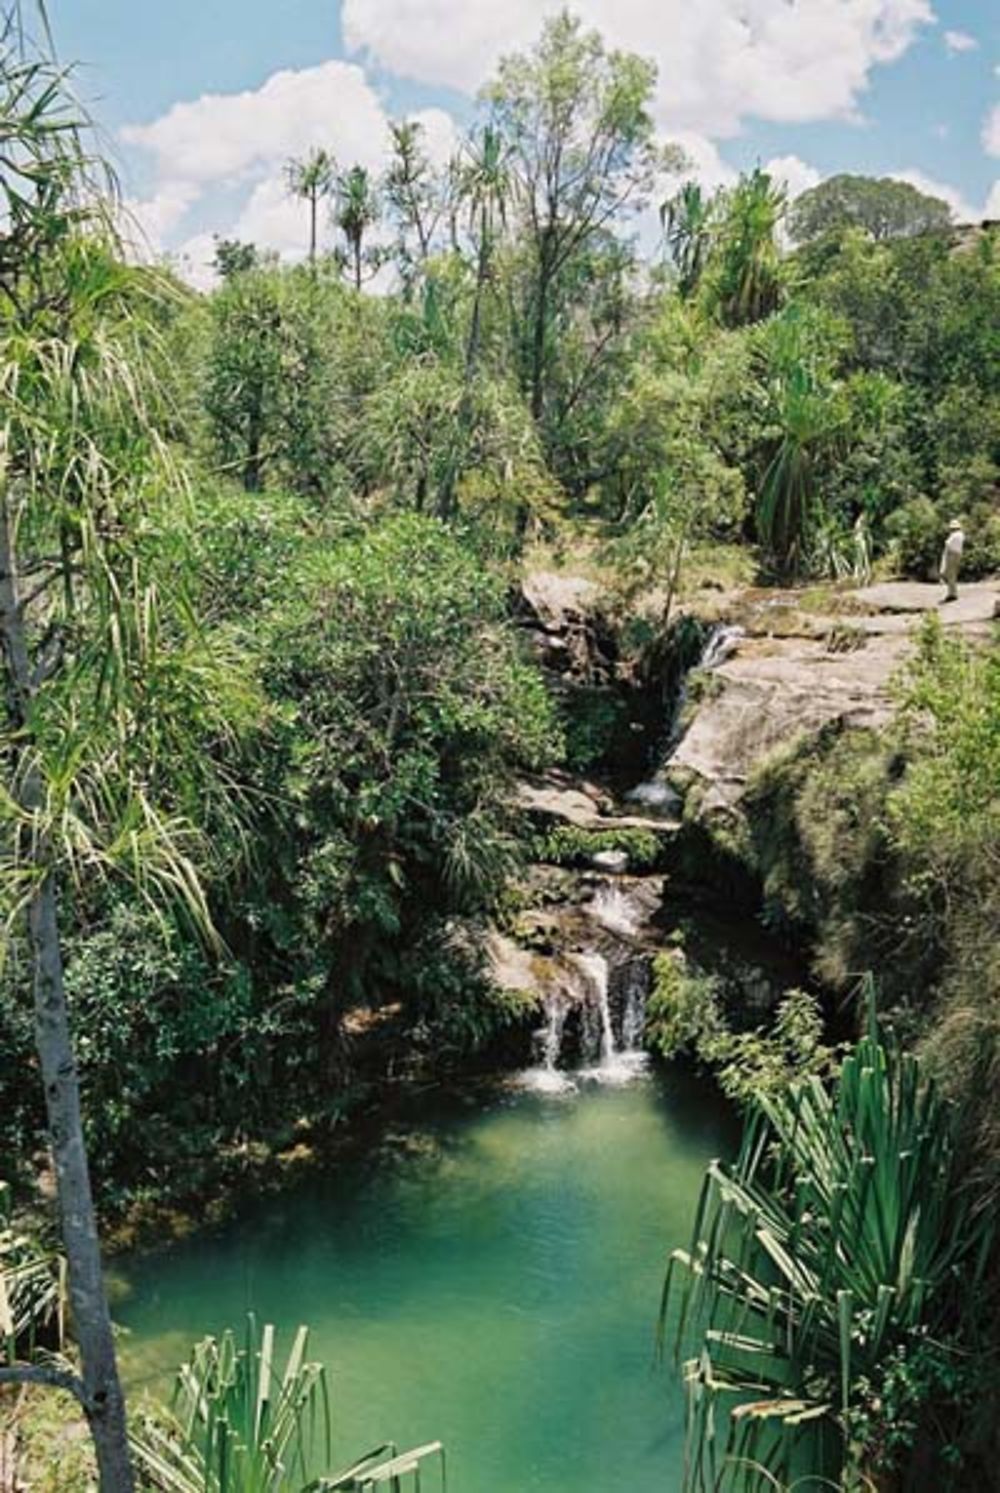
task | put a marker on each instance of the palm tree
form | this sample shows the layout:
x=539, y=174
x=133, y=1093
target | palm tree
x=690, y=219
x=414, y=192
x=747, y=278
x=84, y=639
x=357, y=209
x=312, y=178
x=484, y=183
x=809, y=413
x=826, y=1254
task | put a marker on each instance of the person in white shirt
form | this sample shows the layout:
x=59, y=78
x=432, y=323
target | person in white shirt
x=951, y=558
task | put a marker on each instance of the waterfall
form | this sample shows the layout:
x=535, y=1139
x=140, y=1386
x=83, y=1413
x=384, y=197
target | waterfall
x=656, y=795
x=596, y=1015
x=615, y=911
x=596, y=974
x=720, y=643
x=617, y=1064
x=635, y=976
x=546, y=1076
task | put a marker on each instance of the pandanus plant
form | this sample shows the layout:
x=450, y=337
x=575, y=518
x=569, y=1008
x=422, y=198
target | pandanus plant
x=836, y=1243
x=32, y=1290
x=240, y=1422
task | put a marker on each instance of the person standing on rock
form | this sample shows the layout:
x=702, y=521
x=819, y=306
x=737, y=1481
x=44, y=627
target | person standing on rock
x=951, y=558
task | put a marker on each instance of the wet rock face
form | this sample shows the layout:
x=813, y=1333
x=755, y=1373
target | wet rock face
x=562, y=620
x=586, y=961
x=793, y=674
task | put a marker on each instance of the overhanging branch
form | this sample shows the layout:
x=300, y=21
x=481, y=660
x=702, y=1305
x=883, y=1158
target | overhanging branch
x=50, y=1377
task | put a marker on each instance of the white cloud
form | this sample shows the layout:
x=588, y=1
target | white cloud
x=720, y=61
x=225, y=136
x=797, y=175
x=960, y=41
x=242, y=140
x=152, y=219
x=992, y=208
x=194, y=261
x=703, y=161
x=991, y=132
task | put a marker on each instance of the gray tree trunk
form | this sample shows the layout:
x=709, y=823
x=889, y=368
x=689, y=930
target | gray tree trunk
x=102, y=1397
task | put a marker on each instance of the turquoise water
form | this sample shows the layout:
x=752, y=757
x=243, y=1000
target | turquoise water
x=489, y=1278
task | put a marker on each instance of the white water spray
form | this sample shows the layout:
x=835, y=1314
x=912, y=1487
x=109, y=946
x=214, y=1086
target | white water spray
x=616, y=911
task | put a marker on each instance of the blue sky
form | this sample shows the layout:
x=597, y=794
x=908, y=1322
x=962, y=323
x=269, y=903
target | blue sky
x=204, y=101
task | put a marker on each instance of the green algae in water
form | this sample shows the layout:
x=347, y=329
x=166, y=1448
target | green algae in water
x=492, y=1282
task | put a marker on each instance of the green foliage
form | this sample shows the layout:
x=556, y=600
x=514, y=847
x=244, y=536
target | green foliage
x=686, y=1014
x=241, y=1422
x=576, y=121
x=690, y=220
x=407, y=709
x=820, y=846
x=269, y=387
x=568, y=845
x=799, y=349
x=32, y=1290
x=593, y=719
x=831, y=1247
x=356, y=212
x=946, y=812
x=683, y=1006
x=744, y=281
x=883, y=208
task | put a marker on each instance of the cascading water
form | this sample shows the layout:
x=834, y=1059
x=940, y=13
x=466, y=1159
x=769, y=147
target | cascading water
x=655, y=795
x=719, y=644
x=618, y=1061
x=614, y=909
x=546, y=1076
x=605, y=1057
x=635, y=976
x=595, y=973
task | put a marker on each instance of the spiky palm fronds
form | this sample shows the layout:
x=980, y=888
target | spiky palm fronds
x=32, y=1290
x=839, y=1235
x=240, y=1422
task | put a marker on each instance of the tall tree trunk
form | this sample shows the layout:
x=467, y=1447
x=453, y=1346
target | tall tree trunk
x=541, y=317
x=253, y=476
x=104, y=1402
x=102, y=1399
x=313, y=209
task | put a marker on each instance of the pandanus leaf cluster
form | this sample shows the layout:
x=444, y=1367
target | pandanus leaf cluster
x=32, y=1289
x=241, y=1421
x=838, y=1238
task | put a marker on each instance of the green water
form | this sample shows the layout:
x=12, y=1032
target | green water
x=491, y=1280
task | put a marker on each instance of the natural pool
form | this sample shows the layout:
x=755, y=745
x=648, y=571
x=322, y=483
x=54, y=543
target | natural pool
x=489, y=1277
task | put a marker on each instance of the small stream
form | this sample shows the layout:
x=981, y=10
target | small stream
x=490, y=1276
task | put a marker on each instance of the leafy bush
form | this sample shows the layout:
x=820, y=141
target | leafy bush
x=571, y=846
x=592, y=720
x=686, y=1014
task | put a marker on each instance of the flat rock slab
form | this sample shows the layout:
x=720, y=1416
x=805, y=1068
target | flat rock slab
x=774, y=691
x=555, y=595
x=572, y=805
x=976, y=601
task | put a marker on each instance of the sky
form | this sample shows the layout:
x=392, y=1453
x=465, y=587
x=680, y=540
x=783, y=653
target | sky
x=201, y=102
